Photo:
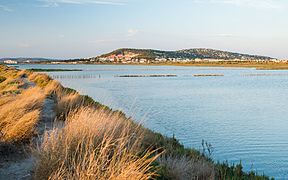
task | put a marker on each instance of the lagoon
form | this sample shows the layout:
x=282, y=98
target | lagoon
x=242, y=112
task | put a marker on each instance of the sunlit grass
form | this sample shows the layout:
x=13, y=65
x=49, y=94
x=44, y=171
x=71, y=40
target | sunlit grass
x=94, y=145
x=19, y=115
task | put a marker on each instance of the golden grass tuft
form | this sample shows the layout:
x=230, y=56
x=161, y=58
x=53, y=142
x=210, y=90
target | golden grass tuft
x=68, y=101
x=10, y=84
x=19, y=115
x=8, y=71
x=53, y=87
x=93, y=144
x=21, y=129
x=6, y=99
x=40, y=79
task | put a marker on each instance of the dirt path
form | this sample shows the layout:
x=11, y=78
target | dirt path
x=48, y=115
x=16, y=162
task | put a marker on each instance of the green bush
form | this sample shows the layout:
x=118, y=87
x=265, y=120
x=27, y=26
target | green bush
x=2, y=79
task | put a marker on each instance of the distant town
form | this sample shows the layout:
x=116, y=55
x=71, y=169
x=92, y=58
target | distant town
x=144, y=56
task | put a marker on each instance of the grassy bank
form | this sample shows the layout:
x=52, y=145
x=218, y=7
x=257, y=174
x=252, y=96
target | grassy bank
x=235, y=64
x=88, y=140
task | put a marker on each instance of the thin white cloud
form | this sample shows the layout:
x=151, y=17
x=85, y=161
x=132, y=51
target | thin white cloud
x=61, y=36
x=261, y=4
x=5, y=8
x=225, y=35
x=23, y=45
x=56, y=3
x=108, y=41
x=132, y=32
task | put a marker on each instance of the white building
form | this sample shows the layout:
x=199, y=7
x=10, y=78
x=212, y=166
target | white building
x=10, y=62
x=142, y=60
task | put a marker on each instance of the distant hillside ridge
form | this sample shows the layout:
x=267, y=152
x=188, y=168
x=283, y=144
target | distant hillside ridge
x=197, y=53
x=23, y=59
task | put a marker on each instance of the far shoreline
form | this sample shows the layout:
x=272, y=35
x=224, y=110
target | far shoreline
x=230, y=64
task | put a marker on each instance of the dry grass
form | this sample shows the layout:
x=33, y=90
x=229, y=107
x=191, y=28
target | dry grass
x=8, y=71
x=21, y=129
x=6, y=99
x=41, y=80
x=93, y=145
x=185, y=168
x=20, y=106
x=15, y=80
x=53, y=87
x=68, y=102
x=9, y=85
x=19, y=115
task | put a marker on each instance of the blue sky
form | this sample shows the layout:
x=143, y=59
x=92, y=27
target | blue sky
x=85, y=28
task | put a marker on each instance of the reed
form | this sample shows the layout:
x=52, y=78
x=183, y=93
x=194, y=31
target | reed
x=93, y=145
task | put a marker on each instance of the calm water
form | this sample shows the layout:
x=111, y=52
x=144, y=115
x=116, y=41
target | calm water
x=244, y=117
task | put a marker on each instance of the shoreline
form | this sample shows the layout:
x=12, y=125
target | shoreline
x=229, y=64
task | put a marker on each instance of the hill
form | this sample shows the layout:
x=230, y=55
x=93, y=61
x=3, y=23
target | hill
x=198, y=53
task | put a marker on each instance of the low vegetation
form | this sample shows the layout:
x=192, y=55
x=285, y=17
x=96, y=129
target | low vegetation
x=238, y=64
x=201, y=53
x=52, y=70
x=90, y=141
x=94, y=144
x=19, y=115
x=148, y=75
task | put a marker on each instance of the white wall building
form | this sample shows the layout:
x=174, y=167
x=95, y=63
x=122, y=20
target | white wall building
x=10, y=62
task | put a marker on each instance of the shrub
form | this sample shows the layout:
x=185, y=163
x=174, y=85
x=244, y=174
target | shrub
x=183, y=167
x=2, y=79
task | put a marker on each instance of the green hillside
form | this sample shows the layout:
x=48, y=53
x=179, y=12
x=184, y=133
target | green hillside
x=200, y=53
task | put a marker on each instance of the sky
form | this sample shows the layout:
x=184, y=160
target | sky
x=86, y=28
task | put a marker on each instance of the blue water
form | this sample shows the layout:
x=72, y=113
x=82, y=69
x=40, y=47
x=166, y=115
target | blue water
x=244, y=117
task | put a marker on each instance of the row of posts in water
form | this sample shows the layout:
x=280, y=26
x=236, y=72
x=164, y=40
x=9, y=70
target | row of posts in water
x=82, y=76
x=90, y=76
